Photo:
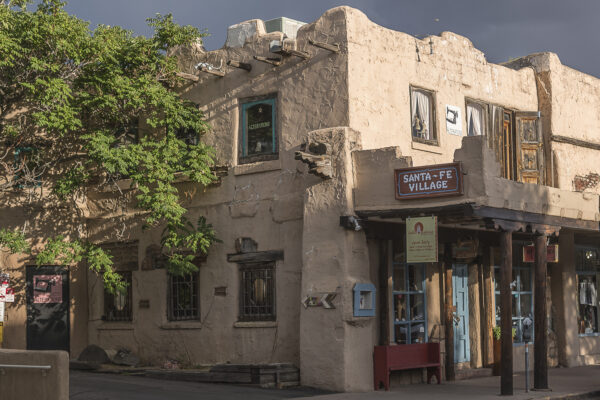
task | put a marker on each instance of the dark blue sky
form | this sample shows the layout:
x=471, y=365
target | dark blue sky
x=502, y=29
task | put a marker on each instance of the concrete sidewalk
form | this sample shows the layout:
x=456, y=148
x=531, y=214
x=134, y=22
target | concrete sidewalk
x=565, y=383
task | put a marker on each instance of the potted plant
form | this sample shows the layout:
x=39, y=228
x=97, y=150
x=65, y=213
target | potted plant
x=498, y=348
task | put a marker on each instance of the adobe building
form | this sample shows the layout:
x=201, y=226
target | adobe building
x=375, y=190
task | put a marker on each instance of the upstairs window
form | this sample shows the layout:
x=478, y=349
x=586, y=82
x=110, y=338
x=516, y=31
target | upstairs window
x=476, y=122
x=188, y=136
x=28, y=167
x=422, y=116
x=127, y=133
x=258, y=140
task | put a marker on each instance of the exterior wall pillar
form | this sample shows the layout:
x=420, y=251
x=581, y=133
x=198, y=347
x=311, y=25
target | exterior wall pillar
x=506, y=373
x=540, y=369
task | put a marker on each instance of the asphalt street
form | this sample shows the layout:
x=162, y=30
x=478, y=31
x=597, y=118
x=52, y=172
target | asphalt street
x=95, y=386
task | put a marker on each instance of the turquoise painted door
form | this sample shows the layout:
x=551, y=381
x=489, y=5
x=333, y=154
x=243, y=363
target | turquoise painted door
x=460, y=294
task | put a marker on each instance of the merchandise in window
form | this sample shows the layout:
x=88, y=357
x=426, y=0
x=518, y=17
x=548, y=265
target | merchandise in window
x=257, y=292
x=410, y=312
x=117, y=306
x=588, y=276
x=522, y=293
x=422, y=116
x=259, y=138
x=183, y=301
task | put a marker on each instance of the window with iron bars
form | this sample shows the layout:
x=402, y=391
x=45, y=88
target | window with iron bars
x=257, y=292
x=183, y=301
x=117, y=306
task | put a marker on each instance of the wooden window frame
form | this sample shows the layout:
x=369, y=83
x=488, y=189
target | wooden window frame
x=486, y=124
x=273, y=98
x=432, y=118
x=583, y=270
x=409, y=321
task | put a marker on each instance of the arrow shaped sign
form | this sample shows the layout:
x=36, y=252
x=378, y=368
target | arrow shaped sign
x=327, y=300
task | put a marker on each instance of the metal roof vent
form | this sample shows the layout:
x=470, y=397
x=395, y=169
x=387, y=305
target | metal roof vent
x=288, y=26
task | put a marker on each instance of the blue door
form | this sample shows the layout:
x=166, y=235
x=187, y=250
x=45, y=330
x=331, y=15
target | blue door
x=460, y=297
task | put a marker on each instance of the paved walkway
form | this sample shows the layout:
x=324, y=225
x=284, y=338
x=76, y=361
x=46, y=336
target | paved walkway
x=566, y=383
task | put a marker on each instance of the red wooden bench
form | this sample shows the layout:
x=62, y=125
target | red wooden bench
x=405, y=356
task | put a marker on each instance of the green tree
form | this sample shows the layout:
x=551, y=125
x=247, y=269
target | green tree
x=72, y=101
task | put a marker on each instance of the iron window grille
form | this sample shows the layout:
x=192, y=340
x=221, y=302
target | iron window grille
x=183, y=300
x=118, y=306
x=257, y=292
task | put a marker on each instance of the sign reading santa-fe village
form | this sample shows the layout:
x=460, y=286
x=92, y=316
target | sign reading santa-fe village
x=429, y=181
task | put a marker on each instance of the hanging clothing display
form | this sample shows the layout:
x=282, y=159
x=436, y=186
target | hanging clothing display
x=587, y=293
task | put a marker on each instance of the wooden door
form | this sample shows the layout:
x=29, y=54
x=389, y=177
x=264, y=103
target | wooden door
x=530, y=150
x=460, y=294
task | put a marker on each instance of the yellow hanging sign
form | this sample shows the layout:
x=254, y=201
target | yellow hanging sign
x=421, y=240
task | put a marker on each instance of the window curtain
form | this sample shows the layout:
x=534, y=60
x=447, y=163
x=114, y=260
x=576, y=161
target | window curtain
x=474, y=120
x=420, y=108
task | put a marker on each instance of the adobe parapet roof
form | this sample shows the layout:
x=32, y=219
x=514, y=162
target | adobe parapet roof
x=357, y=25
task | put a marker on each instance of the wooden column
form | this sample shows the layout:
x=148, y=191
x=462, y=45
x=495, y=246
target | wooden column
x=489, y=316
x=506, y=370
x=540, y=346
x=384, y=323
x=448, y=313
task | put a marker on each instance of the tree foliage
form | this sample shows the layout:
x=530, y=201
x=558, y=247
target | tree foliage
x=81, y=108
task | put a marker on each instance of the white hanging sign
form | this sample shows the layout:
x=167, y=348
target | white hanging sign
x=453, y=120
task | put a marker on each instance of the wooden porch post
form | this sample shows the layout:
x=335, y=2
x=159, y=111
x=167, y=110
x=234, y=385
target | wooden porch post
x=540, y=367
x=384, y=322
x=489, y=316
x=448, y=313
x=506, y=372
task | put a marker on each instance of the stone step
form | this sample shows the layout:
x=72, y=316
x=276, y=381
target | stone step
x=470, y=373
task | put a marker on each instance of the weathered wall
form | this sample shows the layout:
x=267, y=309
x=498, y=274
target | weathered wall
x=50, y=384
x=383, y=64
x=40, y=218
x=261, y=200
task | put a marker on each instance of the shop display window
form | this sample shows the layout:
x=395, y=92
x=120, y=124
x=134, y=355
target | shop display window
x=521, y=289
x=118, y=305
x=183, y=299
x=588, y=277
x=410, y=308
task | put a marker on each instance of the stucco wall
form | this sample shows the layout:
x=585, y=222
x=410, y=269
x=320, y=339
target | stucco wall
x=383, y=64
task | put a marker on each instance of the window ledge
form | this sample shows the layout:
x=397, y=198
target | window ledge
x=257, y=167
x=255, y=324
x=430, y=148
x=595, y=334
x=116, y=326
x=181, y=325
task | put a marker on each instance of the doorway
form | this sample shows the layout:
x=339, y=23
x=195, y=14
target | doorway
x=47, y=308
x=460, y=298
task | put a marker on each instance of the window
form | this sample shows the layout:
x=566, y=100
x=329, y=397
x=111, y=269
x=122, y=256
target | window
x=188, y=136
x=521, y=289
x=27, y=167
x=257, y=292
x=258, y=140
x=127, y=133
x=588, y=277
x=422, y=115
x=476, y=121
x=183, y=301
x=117, y=306
x=410, y=322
